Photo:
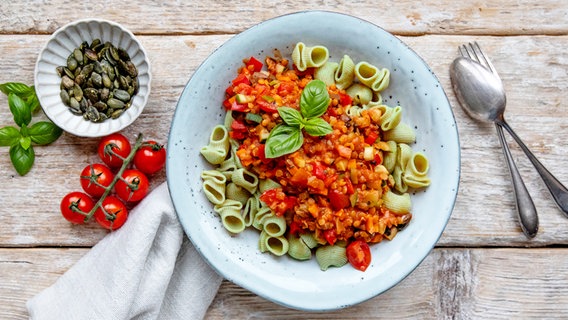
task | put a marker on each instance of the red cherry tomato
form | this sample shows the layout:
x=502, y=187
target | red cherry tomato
x=359, y=254
x=74, y=202
x=113, y=149
x=150, y=158
x=133, y=186
x=114, y=214
x=95, y=178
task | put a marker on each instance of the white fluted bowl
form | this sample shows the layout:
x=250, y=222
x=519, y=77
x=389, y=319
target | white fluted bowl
x=55, y=53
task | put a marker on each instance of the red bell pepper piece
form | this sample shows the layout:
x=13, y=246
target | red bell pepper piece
x=371, y=137
x=338, y=200
x=238, y=125
x=330, y=236
x=241, y=78
x=345, y=99
x=257, y=65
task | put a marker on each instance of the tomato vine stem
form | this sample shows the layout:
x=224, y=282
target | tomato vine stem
x=118, y=176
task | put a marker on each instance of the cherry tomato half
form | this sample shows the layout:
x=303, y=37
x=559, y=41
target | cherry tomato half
x=359, y=254
x=113, y=149
x=133, y=186
x=95, y=178
x=74, y=202
x=114, y=214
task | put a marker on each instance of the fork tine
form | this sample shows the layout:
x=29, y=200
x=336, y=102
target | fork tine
x=464, y=52
x=481, y=55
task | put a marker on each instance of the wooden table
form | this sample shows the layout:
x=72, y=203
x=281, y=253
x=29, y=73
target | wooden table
x=482, y=267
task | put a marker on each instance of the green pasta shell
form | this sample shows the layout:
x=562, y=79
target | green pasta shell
x=331, y=256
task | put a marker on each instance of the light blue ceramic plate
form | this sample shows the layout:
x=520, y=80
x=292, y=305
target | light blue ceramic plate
x=302, y=285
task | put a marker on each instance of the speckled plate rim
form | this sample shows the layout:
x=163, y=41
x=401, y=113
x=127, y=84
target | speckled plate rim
x=47, y=81
x=301, y=285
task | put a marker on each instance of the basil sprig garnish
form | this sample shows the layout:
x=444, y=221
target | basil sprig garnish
x=23, y=102
x=287, y=137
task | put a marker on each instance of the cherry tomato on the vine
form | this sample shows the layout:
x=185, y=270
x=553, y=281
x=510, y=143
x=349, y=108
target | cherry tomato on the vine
x=150, y=158
x=359, y=254
x=114, y=214
x=95, y=178
x=74, y=202
x=133, y=185
x=113, y=149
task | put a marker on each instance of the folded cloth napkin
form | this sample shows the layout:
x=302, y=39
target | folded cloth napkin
x=148, y=269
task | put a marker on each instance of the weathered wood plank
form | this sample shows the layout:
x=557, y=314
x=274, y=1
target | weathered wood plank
x=534, y=70
x=407, y=17
x=449, y=284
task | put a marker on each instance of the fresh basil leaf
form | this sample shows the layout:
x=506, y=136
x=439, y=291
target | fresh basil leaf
x=20, y=110
x=25, y=142
x=20, y=89
x=9, y=136
x=22, y=159
x=290, y=116
x=314, y=99
x=44, y=132
x=283, y=140
x=33, y=103
x=317, y=127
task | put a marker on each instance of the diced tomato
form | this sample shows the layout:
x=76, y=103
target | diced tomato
x=359, y=254
x=257, y=65
x=237, y=135
x=229, y=91
x=238, y=107
x=266, y=106
x=338, y=200
x=319, y=171
x=378, y=158
x=349, y=185
x=241, y=78
x=278, y=201
x=238, y=125
x=330, y=179
x=227, y=104
x=261, y=153
x=294, y=228
x=371, y=137
x=285, y=88
x=330, y=236
x=345, y=99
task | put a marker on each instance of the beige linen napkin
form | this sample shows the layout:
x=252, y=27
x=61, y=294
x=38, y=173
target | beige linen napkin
x=148, y=269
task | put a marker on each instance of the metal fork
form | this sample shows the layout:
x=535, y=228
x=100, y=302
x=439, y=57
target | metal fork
x=556, y=188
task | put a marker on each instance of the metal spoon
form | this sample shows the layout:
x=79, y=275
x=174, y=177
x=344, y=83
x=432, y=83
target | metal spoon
x=482, y=96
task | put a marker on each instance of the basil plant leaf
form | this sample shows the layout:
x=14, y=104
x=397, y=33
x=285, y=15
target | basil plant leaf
x=20, y=89
x=44, y=132
x=283, y=140
x=317, y=127
x=33, y=103
x=22, y=159
x=9, y=136
x=314, y=99
x=290, y=116
x=25, y=142
x=20, y=110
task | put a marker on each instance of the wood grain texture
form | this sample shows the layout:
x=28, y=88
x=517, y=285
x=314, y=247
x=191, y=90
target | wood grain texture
x=221, y=17
x=449, y=284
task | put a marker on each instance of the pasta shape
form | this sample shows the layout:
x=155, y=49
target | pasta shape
x=245, y=179
x=273, y=225
x=389, y=157
x=326, y=73
x=309, y=239
x=214, y=186
x=331, y=256
x=415, y=175
x=360, y=94
x=230, y=213
x=276, y=245
x=344, y=73
x=366, y=73
x=297, y=249
x=257, y=219
x=216, y=151
x=250, y=210
x=236, y=192
x=309, y=57
x=401, y=134
x=398, y=204
x=390, y=117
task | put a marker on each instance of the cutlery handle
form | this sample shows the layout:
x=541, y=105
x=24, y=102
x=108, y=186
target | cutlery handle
x=557, y=190
x=528, y=217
